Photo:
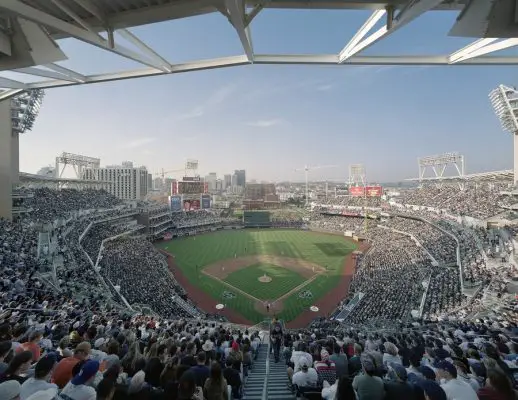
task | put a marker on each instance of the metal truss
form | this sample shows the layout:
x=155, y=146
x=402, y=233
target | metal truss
x=505, y=103
x=357, y=175
x=96, y=22
x=438, y=165
x=78, y=162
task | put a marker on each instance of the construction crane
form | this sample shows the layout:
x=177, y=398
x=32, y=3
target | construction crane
x=163, y=173
x=306, y=170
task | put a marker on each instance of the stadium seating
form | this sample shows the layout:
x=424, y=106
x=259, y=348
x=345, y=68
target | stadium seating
x=82, y=285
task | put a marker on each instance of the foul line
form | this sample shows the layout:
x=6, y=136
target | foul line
x=233, y=287
x=291, y=292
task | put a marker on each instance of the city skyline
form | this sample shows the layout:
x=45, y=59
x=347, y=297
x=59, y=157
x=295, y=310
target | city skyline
x=271, y=120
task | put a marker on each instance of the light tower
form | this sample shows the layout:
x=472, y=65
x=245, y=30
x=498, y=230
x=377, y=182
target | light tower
x=306, y=170
x=505, y=103
x=357, y=175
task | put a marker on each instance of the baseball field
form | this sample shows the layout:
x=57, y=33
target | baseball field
x=246, y=270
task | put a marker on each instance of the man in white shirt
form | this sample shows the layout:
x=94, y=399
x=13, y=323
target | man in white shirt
x=453, y=387
x=306, y=378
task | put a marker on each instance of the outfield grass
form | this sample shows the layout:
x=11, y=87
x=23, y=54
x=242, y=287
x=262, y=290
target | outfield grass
x=283, y=280
x=193, y=253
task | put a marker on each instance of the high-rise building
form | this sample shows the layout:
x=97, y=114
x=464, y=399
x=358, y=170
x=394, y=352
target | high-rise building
x=241, y=177
x=124, y=182
x=227, y=181
x=149, y=182
x=158, y=183
x=211, y=179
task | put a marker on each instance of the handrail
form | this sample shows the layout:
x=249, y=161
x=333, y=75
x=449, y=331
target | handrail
x=265, y=385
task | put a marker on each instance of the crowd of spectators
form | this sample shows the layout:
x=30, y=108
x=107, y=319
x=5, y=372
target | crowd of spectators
x=75, y=338
x=446, y=361
x=49, y=205
x=478, y=201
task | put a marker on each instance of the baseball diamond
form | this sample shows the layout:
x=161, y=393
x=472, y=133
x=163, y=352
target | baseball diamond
x=288, y=270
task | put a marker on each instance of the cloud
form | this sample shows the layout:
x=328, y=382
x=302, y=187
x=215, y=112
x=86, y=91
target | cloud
x=265, y=123
x=216, y=98
x=194, y=113
x=139, y=142
x=323, y=88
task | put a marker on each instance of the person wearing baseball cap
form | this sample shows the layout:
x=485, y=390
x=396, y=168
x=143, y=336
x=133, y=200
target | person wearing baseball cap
x=10, y=390
x=368, y=385
x=40, y=381
x=396, y=386
x=453, y=387
x=305, y=378
x=63, y=371
x=432, y=390
x=78, y=388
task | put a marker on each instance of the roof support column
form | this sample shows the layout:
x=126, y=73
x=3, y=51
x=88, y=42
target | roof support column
x=6, y=160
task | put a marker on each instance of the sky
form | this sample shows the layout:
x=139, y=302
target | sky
x=272, y=119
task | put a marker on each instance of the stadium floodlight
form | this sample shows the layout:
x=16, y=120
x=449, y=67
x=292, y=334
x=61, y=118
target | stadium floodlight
x=505, y=104
x=24, y=110
x=306, y=170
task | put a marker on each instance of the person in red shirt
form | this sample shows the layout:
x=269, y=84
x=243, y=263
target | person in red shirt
x=63, y=371
x=32, y=346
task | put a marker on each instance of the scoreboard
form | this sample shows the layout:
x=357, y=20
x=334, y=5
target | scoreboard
x=191, y=187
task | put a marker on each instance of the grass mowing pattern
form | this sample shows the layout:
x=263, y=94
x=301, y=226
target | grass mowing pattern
x=283, y=281
x=192, y=253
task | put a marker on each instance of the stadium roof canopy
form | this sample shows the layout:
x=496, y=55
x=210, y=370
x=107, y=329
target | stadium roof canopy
x=505, y=175
x=30, y=31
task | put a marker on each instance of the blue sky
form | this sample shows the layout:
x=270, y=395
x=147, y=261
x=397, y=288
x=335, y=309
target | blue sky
x=270, y=120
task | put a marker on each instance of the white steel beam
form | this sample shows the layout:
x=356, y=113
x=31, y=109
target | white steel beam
x=482, y=47
x=6, y=94
x=148, y=51
x=43, y=73
x=236, y=11
x=68, y=73
x=276, y=59
x=362, y=32
x=11, y=84
x=214, y=63
x=413, y=10
x=17, y=8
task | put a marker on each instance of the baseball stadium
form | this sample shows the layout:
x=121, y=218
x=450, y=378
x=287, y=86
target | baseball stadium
x=157, y=279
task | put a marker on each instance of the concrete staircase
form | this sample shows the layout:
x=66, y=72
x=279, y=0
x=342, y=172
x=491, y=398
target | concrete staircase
x=278, y=381
x=255, y=382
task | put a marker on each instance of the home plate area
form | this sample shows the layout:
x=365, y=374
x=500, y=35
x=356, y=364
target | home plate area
x=266, y=279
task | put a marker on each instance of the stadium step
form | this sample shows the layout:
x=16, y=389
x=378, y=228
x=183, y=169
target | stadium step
x=278, y=381
x=255, y=381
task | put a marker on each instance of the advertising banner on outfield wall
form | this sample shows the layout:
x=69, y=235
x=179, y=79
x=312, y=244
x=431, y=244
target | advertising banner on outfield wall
x=356, y=191
x=373, y=191
x=175, y=203
x=205, y=201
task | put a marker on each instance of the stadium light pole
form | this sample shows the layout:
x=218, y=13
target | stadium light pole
x=505, y=104
x=306, y=170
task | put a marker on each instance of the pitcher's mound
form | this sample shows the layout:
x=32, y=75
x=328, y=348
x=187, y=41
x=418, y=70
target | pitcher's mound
x=265, y=279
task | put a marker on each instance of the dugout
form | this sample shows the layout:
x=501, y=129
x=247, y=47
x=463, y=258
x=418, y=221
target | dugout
x=256, y=219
